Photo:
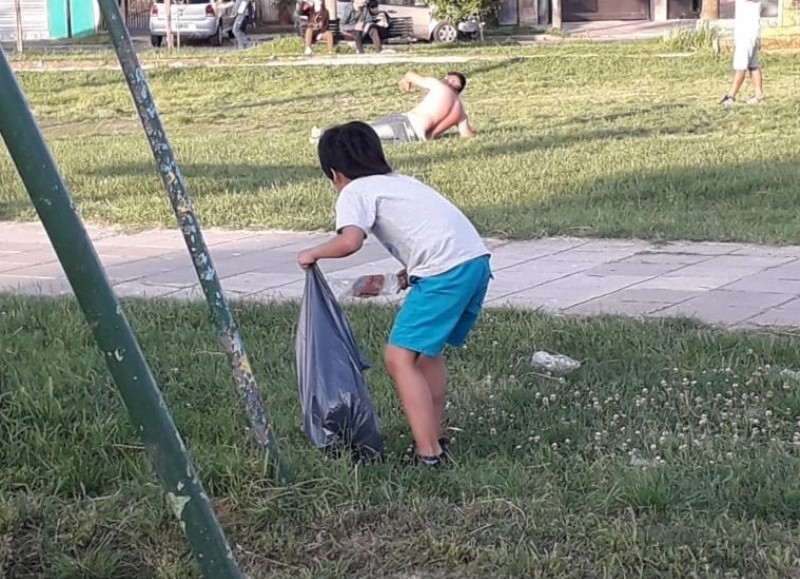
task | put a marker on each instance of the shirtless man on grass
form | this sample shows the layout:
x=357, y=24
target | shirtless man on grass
x=439, y=111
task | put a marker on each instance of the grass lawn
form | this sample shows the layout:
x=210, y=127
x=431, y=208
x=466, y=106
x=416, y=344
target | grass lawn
x=549, y=482
x=574, y=139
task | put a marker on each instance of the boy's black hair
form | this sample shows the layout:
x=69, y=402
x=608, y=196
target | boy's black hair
x=461, y=78
x=352, y=149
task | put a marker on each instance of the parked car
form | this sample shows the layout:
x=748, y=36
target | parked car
x=428, y=28
x=193, y=19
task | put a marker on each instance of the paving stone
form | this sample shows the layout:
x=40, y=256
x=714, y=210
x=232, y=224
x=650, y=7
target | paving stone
x=681, y=283
x=34, y=286
x=790, y=251
x=789, y=270
x=170, y=240
x=653, y=256
x=787, y=314
x=519, y=278
x=731, y=284
x=142, y=290
x=602, y=306
x=254, y=282
x=519, y=252
x=745, y=264
x=725, y=307
x=702, y=248
x=632, y=301
x=150, y=269
x=290, y=292
x=635, y=268
x=766, y=284
x=569, y=291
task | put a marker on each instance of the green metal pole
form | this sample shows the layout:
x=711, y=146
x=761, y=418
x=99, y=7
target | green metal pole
x=114, y=336
x=221, y=315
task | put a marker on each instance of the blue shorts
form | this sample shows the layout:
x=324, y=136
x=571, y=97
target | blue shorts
x=442, y=309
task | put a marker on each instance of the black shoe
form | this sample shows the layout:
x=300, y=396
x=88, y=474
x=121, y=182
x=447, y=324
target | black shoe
x=445, y=458
x=433, y=462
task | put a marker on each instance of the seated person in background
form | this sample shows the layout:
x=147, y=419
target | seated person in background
x=355, y=20
x=378, y=21
x=439, y=111
x=318, y=24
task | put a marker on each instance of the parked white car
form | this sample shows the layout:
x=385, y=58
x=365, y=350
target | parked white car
x=428, y=28
x=193, y=19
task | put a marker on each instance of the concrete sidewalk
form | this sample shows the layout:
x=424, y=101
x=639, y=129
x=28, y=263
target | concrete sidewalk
x=728, y=284
x=620, y=30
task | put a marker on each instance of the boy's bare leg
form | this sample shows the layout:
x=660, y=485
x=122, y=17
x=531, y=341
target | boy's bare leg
x=329, y=41
x=435, y=372
x=309, y=36
x=757, y=80
x=415, y=396
x=738, y=81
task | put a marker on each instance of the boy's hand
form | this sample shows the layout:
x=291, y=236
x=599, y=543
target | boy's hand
x=405, y=86
x=402, y=277
x=306, y=259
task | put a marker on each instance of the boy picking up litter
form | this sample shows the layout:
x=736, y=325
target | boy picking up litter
x=446, y=265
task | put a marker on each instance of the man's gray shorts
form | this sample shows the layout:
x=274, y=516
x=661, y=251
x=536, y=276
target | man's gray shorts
x=395, y=128
x=745, y=54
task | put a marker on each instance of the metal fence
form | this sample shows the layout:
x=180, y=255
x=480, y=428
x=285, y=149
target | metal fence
x=137, y=14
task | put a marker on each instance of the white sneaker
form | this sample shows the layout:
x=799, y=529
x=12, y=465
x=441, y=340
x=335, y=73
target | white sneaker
x=314, y=136
x=307, y=51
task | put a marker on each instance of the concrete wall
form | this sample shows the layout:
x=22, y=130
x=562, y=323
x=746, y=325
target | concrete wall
x=658, y=10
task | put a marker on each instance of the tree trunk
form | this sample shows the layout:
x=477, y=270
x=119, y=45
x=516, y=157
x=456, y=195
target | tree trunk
x=710, y=10
x=170, y=37
x=557, y=14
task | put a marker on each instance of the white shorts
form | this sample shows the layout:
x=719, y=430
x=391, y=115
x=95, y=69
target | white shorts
x=745, y=54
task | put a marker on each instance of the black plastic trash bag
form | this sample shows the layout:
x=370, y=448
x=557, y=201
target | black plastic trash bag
x=338, y=414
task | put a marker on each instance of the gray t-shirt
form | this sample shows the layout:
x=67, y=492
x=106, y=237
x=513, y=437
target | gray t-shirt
x=418, y=226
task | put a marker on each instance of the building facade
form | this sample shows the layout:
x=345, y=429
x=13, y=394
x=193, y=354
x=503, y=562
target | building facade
x=48, y=19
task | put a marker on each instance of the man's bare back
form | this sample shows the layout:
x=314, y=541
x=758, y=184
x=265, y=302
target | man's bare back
x=441, y=109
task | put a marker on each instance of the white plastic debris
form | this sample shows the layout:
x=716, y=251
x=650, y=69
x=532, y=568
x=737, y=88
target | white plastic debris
x=556, y=364
x=639, y=462
x=792, y=375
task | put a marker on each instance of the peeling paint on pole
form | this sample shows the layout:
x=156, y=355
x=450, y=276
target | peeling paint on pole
x=112, y=332
x=221, y=315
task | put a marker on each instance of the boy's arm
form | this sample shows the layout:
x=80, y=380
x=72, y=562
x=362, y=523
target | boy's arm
x=347, y=242
x=411, y=77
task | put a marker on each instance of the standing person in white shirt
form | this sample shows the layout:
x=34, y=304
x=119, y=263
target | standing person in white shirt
x=240, y=9
x=746, y=42
x=446, y=265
